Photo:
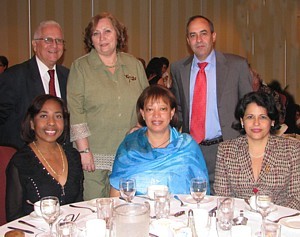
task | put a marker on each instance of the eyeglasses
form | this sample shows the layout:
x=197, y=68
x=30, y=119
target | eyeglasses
x=49, y=40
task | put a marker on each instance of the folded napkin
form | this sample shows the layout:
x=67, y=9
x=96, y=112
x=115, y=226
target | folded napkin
x=170, y=228
x=241, y=230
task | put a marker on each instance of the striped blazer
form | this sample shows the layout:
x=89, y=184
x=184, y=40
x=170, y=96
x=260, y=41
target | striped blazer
x=280, y=172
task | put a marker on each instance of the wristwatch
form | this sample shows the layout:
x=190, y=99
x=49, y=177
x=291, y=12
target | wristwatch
x=86, y=150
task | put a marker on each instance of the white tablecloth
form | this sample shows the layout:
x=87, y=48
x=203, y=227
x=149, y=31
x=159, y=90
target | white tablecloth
x=254, y=219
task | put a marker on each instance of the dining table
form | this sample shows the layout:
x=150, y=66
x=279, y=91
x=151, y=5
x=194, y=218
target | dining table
x=290, y=226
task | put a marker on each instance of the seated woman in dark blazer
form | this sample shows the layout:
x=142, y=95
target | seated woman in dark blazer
x=44, y=167
x=259, y=160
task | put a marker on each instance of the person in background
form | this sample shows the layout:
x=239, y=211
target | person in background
x=157, y=153
x=44, y=167
x=258, y=85
x=21, y=83
x=154, y=71
x=259, y=159
x=3, y=64
x=103, y=87
x=165, y=75
x=208, y=118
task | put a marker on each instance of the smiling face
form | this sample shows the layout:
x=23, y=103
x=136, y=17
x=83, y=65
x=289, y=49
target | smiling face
x=104, y=37
x=48, y=53
x=48, y=124
x=256, y=122
x=157, y=115
x=200, y=38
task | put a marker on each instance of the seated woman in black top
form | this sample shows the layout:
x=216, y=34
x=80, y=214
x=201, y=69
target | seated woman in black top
x=44, y=166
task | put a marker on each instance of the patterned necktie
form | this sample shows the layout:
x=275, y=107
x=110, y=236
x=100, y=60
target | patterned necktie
x=52, y=83
x=197, y=128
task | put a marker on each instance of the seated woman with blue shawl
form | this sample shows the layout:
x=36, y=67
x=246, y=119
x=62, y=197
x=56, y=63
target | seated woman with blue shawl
x=157, y=153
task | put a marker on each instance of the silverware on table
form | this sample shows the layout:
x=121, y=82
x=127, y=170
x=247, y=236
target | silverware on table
x=75, y=206
x=177, y=214
x=212, y=211
x=31, y=225
x=277, y=220
x=26, y=231
x=181, y=202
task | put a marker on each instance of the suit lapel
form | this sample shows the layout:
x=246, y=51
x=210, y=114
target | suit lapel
x=37, y=84
x=185, y=75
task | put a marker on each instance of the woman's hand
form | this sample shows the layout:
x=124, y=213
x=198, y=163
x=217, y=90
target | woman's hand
x=87, y=161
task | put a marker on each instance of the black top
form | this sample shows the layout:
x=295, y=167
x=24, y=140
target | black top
x=27, y=178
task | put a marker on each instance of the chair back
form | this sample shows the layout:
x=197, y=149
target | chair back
x=5, y=155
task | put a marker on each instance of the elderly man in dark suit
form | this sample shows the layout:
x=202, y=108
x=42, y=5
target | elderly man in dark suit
x=20, y=84
x=226, y=79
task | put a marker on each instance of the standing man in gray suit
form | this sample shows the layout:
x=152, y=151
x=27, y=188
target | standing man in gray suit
x=21, y=83
x=227, y=79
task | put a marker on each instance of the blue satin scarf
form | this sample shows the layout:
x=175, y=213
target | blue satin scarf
x=174, y=165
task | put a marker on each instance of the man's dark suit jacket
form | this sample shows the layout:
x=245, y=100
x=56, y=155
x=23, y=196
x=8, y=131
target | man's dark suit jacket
x=19, y=85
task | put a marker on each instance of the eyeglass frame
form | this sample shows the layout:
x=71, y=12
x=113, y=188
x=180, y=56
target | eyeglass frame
x=50, y=40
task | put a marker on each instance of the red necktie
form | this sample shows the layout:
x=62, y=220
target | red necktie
x=52, y=83
x=197, y=128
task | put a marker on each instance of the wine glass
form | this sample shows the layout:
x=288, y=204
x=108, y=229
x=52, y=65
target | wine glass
x=264, y=207
x=127, y=188
x=50, y=211
x=198, y=189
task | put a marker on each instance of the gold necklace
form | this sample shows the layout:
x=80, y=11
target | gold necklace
x=160, y=144
x=62, y=159
x=257, y=156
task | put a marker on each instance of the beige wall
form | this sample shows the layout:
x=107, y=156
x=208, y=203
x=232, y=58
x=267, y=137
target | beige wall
x=266, y=32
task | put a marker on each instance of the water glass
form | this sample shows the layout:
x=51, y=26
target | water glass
x=271, y=229
x=127, y=188
x=225, y=212
x=162, y=204
x=66, y=229
x=105, y=210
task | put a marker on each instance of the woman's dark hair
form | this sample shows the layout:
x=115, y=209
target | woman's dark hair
x=4, y=61
x=28, y=134
x=120, y=29
x=164, y=61
x=262, y=99
x=154, y=67
x=154, y=93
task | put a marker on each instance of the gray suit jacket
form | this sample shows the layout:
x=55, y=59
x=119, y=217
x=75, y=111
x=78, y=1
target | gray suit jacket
x=233, y=82
x=19, y=85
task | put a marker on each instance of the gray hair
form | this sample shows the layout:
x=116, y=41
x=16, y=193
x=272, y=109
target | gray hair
x=44, y=24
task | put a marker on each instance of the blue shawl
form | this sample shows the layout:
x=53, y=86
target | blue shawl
x=174, y=165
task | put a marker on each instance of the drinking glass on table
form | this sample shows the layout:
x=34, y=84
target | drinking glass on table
x=127, y=188
x=198, y=189
x=105, y=210
x=264, y=206
x=225, y=207
x=50, y=211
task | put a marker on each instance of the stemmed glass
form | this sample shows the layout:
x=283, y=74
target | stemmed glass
x=50, y=211
x=127, y=188
x=198, y=189
x=264, y=207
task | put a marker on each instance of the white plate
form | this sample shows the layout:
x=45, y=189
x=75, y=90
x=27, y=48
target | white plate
x=189, y=199
x=35, y=216
x=292, y=222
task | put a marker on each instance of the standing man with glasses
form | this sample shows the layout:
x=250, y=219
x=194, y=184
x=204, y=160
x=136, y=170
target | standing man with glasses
x=208, y=86
x=21, y=83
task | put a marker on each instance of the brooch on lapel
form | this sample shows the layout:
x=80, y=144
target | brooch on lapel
x=130, y=77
